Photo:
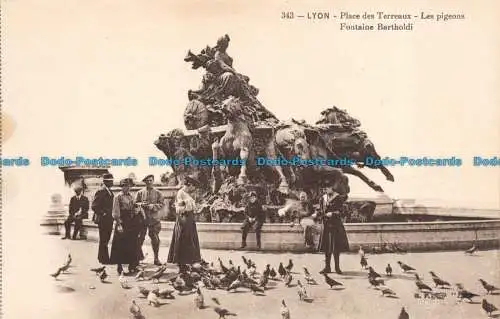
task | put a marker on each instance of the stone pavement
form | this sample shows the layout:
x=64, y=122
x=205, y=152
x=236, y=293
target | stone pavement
x=72, y=296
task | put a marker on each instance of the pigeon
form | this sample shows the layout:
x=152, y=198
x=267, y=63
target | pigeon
x=103, y=275
x=199, y=300
x=372, y=273
x=422, y=286
x=289, y=266
x=388, y=270
x=166, y=293
x=465, y=294
x=217, y=302
x=222, y=267
x=256, y=289
x=123, y=282
x=488, y=307
x=488, y=287
x=158, y=274
x=331, y=282
x=235, y=284
x=284, y=311
x=282, y=270
x=57, y=273
x=68, y=260
x=64, y=267
x=267, y=271
x=301, y=291
x=273, y=273
x=140, y=274
x=363, y=262
x=375, y=282
x=222, y=312
x=135, y=310
x=388, y=292
x=309, y=279
x=438, y=281
x=143, y=291
x=403, y=314
x=247, y=262
x=471, y=250
x=405, y=267
x=263, y=281
x=98, y=269
x=153, y=299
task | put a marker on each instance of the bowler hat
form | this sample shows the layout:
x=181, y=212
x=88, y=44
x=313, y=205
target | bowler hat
x=107, y=177
x=252, y=193
x=148, y=176
x=126, y=182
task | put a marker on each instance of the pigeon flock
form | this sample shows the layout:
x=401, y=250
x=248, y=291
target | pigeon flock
x=200, y=279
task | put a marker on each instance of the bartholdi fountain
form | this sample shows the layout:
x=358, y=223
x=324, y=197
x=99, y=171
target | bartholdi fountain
x=224, y=120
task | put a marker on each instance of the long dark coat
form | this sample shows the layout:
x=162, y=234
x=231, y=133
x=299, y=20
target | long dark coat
x=125, y=245
x=333, y=237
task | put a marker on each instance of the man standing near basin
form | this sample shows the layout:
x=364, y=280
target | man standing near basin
x=103, y=217
x=151, y=201
x=333, y=239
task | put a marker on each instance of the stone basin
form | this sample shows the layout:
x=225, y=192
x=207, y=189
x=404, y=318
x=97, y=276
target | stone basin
x=410, y=236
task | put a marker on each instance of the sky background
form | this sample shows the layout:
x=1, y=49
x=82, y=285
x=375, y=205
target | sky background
x=105, y=78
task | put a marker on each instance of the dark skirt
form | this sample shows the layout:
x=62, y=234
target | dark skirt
x=125, y=245
x=184, y=247
x=333, y=237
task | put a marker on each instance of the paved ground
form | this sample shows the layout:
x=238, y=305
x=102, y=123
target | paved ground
x=39, y=296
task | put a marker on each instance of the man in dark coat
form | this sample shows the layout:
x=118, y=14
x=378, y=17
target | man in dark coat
x=255, y=217
x=103, y=208
x=78, y=211
x=333, y=239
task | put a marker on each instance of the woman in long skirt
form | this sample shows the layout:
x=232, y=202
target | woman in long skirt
x=128, y=221
x=185, y=247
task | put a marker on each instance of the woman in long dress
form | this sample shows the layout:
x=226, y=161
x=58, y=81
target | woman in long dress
x=128, y=221
x=185, y=247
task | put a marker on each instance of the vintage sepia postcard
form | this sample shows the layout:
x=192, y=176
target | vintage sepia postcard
x=250, y=159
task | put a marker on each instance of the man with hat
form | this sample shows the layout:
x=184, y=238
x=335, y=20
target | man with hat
x=78, y=210
x=103, y=208
x=255, y=217
x=151, y=201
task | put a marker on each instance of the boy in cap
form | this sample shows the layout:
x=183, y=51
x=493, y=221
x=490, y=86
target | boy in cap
x=151, y=201
x=255, y=217
x=103, y=208
x=78, y=210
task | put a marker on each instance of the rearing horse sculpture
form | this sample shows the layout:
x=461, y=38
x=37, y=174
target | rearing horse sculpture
x=238, y=142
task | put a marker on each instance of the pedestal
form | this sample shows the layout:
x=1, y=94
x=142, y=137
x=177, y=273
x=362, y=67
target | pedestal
x=53, y=221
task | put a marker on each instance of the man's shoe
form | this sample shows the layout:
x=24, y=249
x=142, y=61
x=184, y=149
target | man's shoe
x=338, y=271
x=243, y=245
x=65, y=237
x=157, y=262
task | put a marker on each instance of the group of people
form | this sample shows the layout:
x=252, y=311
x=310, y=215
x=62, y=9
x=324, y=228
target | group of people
x=327, y=221
x=132, y=217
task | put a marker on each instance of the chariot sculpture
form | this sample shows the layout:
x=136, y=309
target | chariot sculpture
x=225, y=120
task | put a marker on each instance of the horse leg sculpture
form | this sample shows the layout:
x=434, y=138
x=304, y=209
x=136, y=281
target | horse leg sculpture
x=363, y=177
x=244, y=154
x=271, y=153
